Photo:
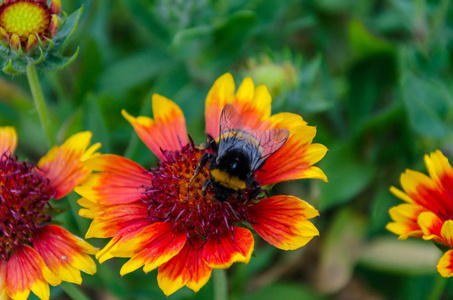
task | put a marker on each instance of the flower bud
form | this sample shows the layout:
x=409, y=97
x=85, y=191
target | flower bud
x=53, y=28
x=31, y=43
x=15, y=42
x=4, y=36
x=55, y=7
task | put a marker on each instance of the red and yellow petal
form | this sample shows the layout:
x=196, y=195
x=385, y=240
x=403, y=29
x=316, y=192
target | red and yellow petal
x=295, y=159
x=283, y=221
x=438, y=166
x=400, y=194
x=111, y=219
x=127, y=233
x=433, y=194
x=405, y=217
x=25, y=272
x=64, y=254
x=62, y=165
x=411, y=181
x=168, y=129
x=120, y=180
x=8, y=140
x=286, y=120
x=221, y=93
x=447, y=233
x=445, y=265
x=222, y=251
x=152, y=247
x=90, y=208
x=3, y=293
x=430, y=225
x=254, y=105
x=185, y=269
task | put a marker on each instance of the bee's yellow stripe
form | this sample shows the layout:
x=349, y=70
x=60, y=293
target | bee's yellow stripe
x=228, y=181
x=240, y=135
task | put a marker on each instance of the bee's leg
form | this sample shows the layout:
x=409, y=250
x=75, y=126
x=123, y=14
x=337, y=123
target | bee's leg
x=212, y=143
x=256, y=190
x=203, y=161
x=206, y=184
x=209, y=144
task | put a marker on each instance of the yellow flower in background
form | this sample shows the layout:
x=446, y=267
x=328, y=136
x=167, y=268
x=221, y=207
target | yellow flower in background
x=428, y=211
x=34, y=252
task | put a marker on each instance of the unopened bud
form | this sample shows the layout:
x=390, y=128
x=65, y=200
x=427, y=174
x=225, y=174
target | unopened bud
x=15, y=42
x=32, y=42
x=53, y=28
x=55, y=7
x=4, y=36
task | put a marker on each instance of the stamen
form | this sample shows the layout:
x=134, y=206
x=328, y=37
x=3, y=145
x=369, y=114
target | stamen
x=24, y=206
x=173, y=197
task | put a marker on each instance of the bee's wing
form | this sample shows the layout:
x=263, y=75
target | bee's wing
x=270, y=141
x=230, y=119
x=230, y=123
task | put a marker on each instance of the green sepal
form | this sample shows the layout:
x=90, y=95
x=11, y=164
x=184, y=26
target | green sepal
x=14, y=70
x=40, y=59
x=56, y=62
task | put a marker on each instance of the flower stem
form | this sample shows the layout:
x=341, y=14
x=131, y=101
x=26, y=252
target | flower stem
x=73, y=291
x=220, y=284
x=437, y=288
x=40, y=104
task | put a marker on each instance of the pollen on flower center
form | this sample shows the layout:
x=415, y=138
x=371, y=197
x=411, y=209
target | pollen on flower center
x=170, y=197
x=25, y=18
x=24, y=196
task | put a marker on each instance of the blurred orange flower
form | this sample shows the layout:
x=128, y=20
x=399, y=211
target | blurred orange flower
x=428, y=211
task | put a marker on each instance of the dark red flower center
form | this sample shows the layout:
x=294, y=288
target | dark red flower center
x=24, y=196
x=170, y=197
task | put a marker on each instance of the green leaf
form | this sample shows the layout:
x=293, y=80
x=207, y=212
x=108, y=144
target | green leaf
x=348, y=176
x=96, y=122
x=187, y=42
x=132, y=70
x=363, y=42
x=55, y=62
x=63, y=35
x=428, y=104
x=90, y=66
x=369, y=84
x=379, y=215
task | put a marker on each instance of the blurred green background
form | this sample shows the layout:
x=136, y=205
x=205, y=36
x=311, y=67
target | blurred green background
x=374, y=76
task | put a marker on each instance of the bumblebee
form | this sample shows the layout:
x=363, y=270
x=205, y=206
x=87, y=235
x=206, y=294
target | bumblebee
x=237, y=154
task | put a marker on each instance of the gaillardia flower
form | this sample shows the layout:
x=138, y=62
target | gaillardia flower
x=161, y=218
x=428, y=211
x=34, y=252
x=30, y=34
